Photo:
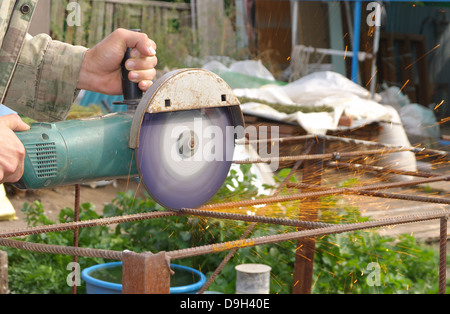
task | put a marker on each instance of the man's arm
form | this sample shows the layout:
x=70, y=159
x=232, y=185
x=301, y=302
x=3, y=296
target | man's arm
x=49, y=72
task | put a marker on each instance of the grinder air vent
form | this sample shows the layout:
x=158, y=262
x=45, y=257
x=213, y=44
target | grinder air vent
x=43, y=158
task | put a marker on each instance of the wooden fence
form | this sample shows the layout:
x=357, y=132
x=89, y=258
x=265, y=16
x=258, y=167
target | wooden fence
x=98, y=18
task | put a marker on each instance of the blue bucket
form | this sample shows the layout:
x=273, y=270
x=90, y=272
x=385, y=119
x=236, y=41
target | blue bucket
x=97, y=286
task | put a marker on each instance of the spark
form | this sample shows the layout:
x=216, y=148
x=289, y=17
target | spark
x=439, y=104
x=403, y=86
x=345, y=54
x=420, y=58
x=444, y=120
x=371, y=78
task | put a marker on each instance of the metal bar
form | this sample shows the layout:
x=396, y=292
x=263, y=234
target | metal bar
x=76, y=218
x=61, y=250
x=371, y=186
x=443, y=255
x=335, y=229
x=246, y=141
x=356, y=39
x=85, y=224
x=327, y=191
x=366, y=191
x=3, y=272
x=255, y=219
x=384, y=170
x=145, y=273
x=335, y=156
x=417, y=150
x=348, y=140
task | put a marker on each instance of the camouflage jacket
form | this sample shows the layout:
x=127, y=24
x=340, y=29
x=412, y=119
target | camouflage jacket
x=38, y=75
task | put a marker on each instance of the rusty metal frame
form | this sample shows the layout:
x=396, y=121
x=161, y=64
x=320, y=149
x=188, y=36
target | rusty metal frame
x=312, y=160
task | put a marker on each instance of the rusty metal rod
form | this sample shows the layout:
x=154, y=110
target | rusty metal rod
x=61, y=250
x=255, y=219
x=366, y=190
x=385, y=170
x=76, y=218
x=280, y=139
x=371, y=186
x=335, y=155
x=215, y=248
x=85, y=224
x=443, y=255
x=300, y=196
x=335, y=229
x=417, y=150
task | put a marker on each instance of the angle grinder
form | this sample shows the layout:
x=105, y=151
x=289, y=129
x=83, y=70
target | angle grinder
x=178, y=139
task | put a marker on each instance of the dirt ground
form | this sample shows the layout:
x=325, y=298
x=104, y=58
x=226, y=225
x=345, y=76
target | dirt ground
x=55, y=199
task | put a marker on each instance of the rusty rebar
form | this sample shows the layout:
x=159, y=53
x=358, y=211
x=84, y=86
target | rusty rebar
x=85, y=224
x=215, y=248
x=335, y=156
x=76, y=218
x=384, y=170
x=334, y=229
x=443, y=255
x=61, y=250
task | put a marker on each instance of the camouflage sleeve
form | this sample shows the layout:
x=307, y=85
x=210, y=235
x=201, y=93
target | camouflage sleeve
x=44, y=82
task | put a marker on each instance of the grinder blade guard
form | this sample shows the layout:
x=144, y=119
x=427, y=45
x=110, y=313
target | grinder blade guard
x=184, y=135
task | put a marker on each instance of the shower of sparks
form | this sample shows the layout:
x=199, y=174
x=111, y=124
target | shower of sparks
x=420, y=58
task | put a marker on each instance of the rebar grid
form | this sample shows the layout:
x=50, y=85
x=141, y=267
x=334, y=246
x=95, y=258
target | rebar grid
x=311, y=228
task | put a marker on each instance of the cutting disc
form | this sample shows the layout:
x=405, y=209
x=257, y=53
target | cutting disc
x=184, y=157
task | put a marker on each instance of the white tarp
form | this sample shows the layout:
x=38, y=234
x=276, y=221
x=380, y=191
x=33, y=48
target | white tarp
x=319, y=89
x=333, y=90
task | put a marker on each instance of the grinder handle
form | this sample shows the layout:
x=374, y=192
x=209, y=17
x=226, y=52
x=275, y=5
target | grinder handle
x=131, y=91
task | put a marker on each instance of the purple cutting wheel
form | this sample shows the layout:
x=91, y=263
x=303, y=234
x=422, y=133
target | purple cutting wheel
x=184, y=157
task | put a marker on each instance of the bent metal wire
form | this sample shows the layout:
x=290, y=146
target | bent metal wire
x=308, y=228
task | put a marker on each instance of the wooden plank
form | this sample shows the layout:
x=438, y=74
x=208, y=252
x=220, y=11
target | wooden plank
x=304, y=254
x=161, y=4
x=3, y=273
x=100, y=18
x=424, y=93
x=57, y=19
x=145, y=273
x=109, y=19
x=95, y=33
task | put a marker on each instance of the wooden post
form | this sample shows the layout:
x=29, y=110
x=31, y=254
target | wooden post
x=145, y=273
x=3, y=273
x=304, y=255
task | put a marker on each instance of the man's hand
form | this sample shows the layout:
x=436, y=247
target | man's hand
x=101, y=68
x=12, y=151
